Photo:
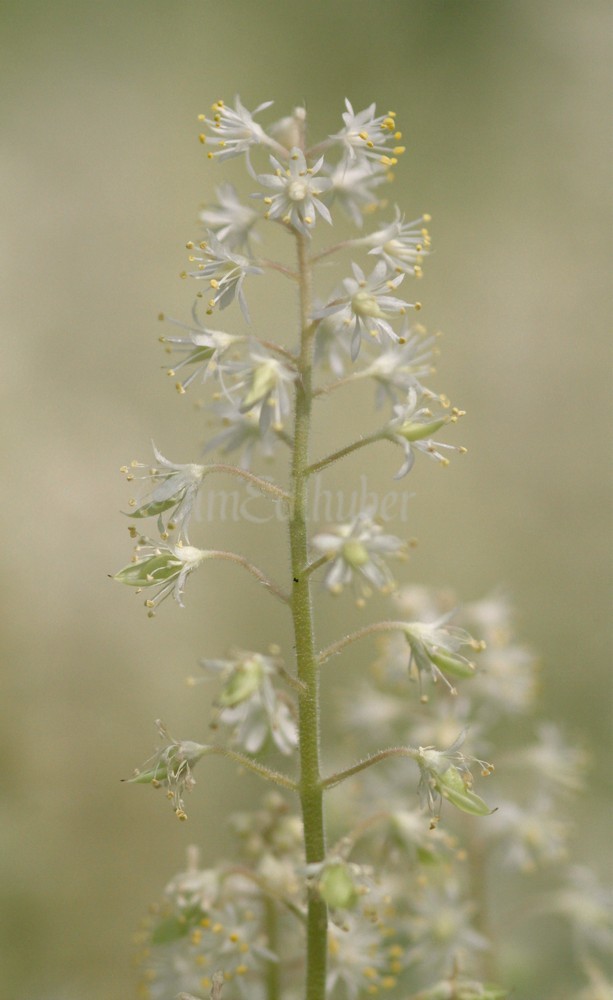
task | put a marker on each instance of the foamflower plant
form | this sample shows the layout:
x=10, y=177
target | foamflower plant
x=372, y=868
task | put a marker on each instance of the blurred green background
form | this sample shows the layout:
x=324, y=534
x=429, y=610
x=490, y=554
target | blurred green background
x=504, y=105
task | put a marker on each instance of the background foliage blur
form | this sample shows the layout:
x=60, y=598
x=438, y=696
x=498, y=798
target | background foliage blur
x=503, y=104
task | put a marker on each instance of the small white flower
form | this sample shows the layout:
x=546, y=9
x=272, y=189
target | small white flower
x=352, y=184
x=355, y=551
x=230, y=220
x=397, y=367
x=415, y=420
x=531, y=836
x=202, y=348
x=368, y=136
x=165, y=567
x=402, y=245
x=233, y=131
x=247, y=432
x=224, y=270
x=171, y=768
x=445, y=774
x=174, y=488
x=367, y=306
x=440, y=929
x=434, y=649
x=296, y=189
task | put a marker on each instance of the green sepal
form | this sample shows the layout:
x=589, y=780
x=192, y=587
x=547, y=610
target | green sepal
x=453, y=789
x=417, y=431
x=139, y=574
x=157, y=507
x=244, y=682
x=449, y=663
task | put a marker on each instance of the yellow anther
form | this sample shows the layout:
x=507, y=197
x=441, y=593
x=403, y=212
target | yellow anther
x=388, y=982
x=241, y=970
x=417, y=306
x=369, y=972
x=201, y=118
x=217, y=928
x=183, y=274
x=213, y=283
x=202, y=139
x=399, y=150
x=131, y=502
x=180, y=388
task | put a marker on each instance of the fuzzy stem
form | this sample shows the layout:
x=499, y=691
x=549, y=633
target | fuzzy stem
x=257, y=573
x=263, y=485
x=375, y=758
x=336, y=647
x=252, y=765
x=271, y=923
x=311, y=796
x=329, y=459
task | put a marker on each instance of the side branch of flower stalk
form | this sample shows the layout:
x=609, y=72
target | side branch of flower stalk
x=253, y=765
x=343, y=452
x=261, y=577
x=362, y=633
x=263, y=485
x=362, y=765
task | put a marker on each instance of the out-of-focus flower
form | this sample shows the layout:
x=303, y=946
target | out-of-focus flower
x=265, y=381
x=246, y=432
x=440, y=929
x=230, y=220
x=529, y=837
x=352, y=187
x=397, y=367
x=357, y=549
x=588, y=905
x=296, y=189
x=250, y=703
